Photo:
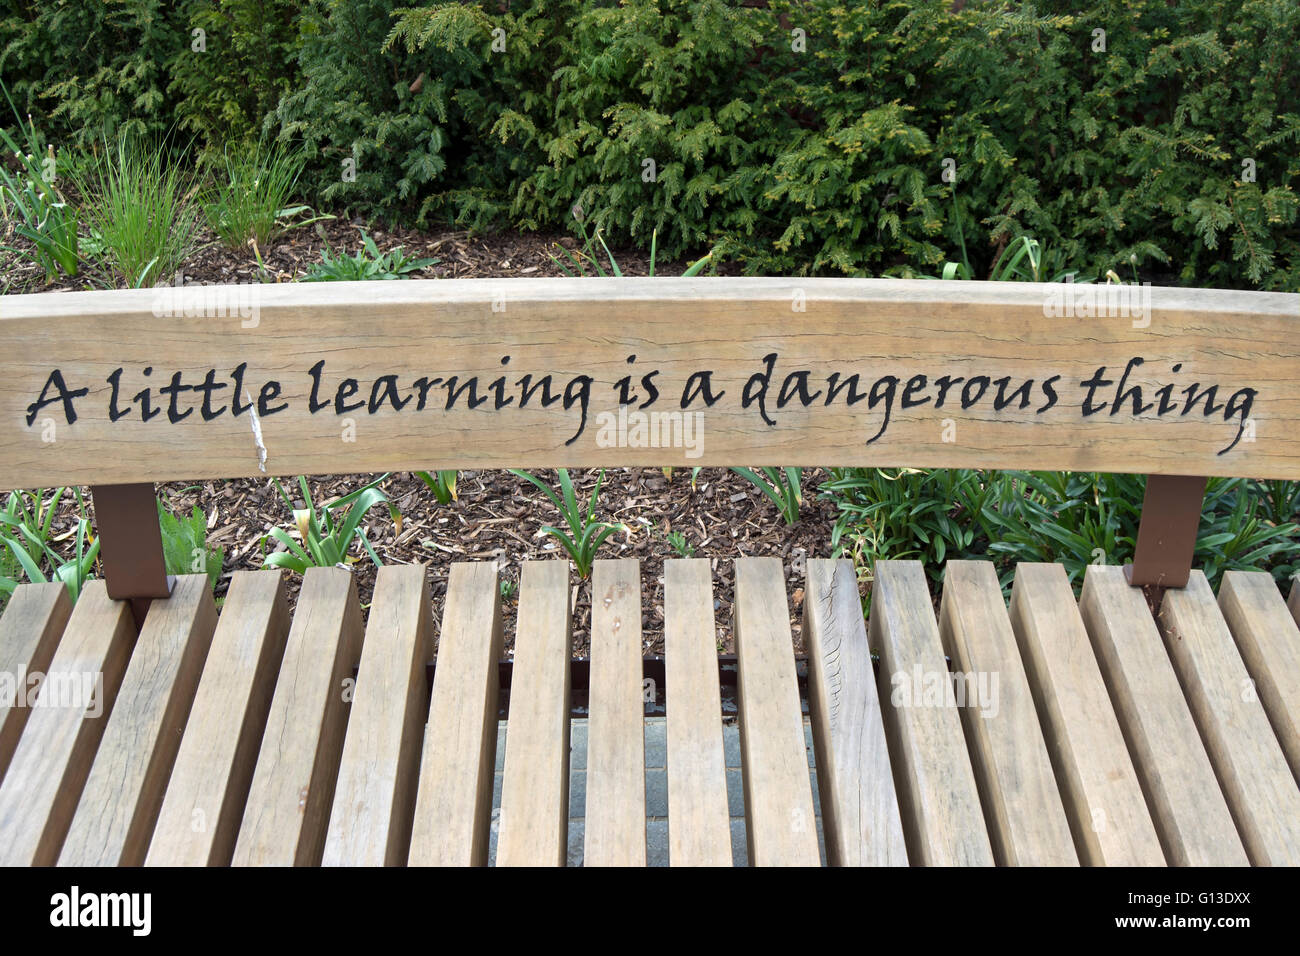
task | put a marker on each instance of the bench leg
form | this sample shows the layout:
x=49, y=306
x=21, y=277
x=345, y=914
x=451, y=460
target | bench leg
x=1171, y=516
x=130, y=545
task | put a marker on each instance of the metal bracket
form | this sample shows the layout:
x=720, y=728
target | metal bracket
x=130, y=546
x=1171, y=516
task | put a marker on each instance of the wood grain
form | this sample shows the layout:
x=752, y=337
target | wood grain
x=533, y=827
x=699, y=831
x=33, y=621
x=374, y=798
x=1247, y=758
x=49, y=769
x=614, y=823
x=1186, y=804
x=292, y=791
x=860, y=817
x=1269, y=642
x=1103, y=797
x=453, y=808
x=886, y=331
x=779, y=824
x=200, y=815
x=937, y=795
x=124, y=792
x=1022, y=804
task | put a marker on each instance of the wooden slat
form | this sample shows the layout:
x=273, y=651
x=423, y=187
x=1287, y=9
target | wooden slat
x=1182, y=793
x=453, y=808
x=615, y=826
x=201, y=812
x=923, y=351
x=937, y=795
x=45, y=779
x=1269, y=642
x=29, y=631
x=1293, y=602
x=1103, y=798
x=780, y=827
x=698, y=827
x=1247, y=757
x=124, y=792
x=533, y=826
x=293, y=785
x=860, y=817
x=1022, y=804
x=370, y=824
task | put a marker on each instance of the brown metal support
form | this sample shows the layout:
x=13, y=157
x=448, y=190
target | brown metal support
x=1171, y=516
x=130, y=545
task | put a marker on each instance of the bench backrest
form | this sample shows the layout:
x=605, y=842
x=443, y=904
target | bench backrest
x=352, y=377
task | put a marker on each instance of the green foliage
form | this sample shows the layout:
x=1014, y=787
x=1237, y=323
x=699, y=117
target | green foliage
x=584, y=536
x=325, y=534
x=251, y=200
x=41, y=214
x=137, y=203
x=247, y=63
x=781, y=485
x=376, y=121
x=441, y=483
x=185, y=544
x=25, y=533
x=368, y=263
x=681, y=547
x=91, y=68
x=908, y=514
x=587, y=255
x=1073, y=518
x=707, y=124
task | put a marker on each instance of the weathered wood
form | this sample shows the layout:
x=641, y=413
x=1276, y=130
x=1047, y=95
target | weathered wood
x=698, y=827
x=453, y=808
x=614, y=825
x=124, y=792
x=1103, y=797
x=937, y=795
x=370, y=824
x=860, y=816
x=1293, y=602
x=201, y=812
x=1269, y=642
x=1184, y=798
x=780, y=829
x=1022, y=804
x=49, y=769
x=901, y=337
x=29, y=631
x=293, y=784
x=1247, y=757
x=533, y=826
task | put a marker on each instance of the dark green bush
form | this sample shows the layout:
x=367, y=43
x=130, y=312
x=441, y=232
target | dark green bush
x=796, y=136
x=247, y=64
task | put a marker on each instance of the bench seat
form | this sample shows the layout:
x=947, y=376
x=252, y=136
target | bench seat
x=1076, y=731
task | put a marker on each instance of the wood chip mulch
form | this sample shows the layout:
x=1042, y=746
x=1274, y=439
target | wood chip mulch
x=497, y=517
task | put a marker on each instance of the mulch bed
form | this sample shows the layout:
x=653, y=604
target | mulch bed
x=497, y=515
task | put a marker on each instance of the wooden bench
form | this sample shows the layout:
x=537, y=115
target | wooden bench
x=1093, y=732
